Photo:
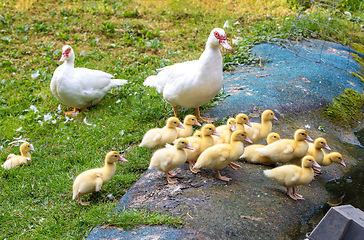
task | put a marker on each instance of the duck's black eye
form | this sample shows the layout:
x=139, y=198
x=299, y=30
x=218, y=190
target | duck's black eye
x=115, y=156
x=210, y=128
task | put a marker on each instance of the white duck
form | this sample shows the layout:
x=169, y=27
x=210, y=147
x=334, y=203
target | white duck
x=80, y=87
x=193, y=83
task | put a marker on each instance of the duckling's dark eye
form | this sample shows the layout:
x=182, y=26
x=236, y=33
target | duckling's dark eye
x=175, y=122
x=183, y=142
x=115, y=155
x=210, y=128
x=339, y=158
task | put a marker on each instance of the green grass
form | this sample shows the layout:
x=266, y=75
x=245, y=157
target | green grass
x=346, y=109
x=129, y=39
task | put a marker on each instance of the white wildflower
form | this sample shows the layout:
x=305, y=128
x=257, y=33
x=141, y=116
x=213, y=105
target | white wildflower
x=88, y=124
x=308, y=126
x=35, y=75
x=40, y=122
x=33, y=108
x=19, y=129
x=47, y=117
x=226, y=24
x=54, y=121
x=117, y=101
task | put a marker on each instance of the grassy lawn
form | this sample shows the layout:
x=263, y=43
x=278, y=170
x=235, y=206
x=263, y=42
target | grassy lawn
x=129, y=39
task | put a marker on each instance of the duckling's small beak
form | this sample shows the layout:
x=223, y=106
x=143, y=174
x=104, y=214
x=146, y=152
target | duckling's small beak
x=216, y=133
x=275, y=118
x=197, y=123
x=248, y=140
x=121, y=159
x=308, y=138
x=327, y=147
x=249, y=124
x=342, y=163
x=181, y=126
x=188, y=146
x=315, y=164
x=233, y=128
x=31, y=148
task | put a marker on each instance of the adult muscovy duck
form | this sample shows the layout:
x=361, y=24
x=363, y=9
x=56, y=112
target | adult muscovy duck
x=193, y=83
x=80, y=87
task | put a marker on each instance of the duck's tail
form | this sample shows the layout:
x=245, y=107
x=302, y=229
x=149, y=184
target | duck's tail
x=268, y=173
x=118, y=82
x=151, y=81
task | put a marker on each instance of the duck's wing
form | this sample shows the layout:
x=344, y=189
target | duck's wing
x=176, y=75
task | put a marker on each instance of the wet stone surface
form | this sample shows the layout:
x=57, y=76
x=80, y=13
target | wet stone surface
x=250, y=206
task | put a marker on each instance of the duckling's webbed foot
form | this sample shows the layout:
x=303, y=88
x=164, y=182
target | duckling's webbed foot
x=317, y=171
x=171, y=174
x=79, y=201
x=234, y=165
x=170, y=180
x=223, y=178
x=191, y=164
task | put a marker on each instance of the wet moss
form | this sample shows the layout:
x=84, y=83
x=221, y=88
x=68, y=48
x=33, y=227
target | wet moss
x=359, y=48
x=347, y=109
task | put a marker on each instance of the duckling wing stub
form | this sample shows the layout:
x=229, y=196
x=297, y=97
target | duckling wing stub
x=168, y=161
x=224, y=154
x=98, y=182
x=288, y=149
x=157, y=137
x=10, y=156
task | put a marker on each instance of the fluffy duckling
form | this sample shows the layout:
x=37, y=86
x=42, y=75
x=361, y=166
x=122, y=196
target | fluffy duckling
x=17, y=160
x=200, y=144
x=80, y=87
x=187, y=124
x=252, y=156
x=219, y=156
x=315, y=149
x=92, y=180
x=286, y=150
x=158, y=137
x=225, y=131
x=240, y=120
x=333, y=157
x=291, y=176
x=197, y=134
x=167, y=159
x=261, y=130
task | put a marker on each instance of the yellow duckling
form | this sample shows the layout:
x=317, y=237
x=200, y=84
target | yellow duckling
x=240, y=120
x=286, y=150
x=167, y=159
x=329, y=158
x=252, y=156
x=261, y=130
x=225, y=135
x=220, y=156
x=158, y=137
x=187, y=124
x=315, y=149
x=291, y=176
x=17, y=160
x=200, y=144
x=92, y=180
x=197, y=134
